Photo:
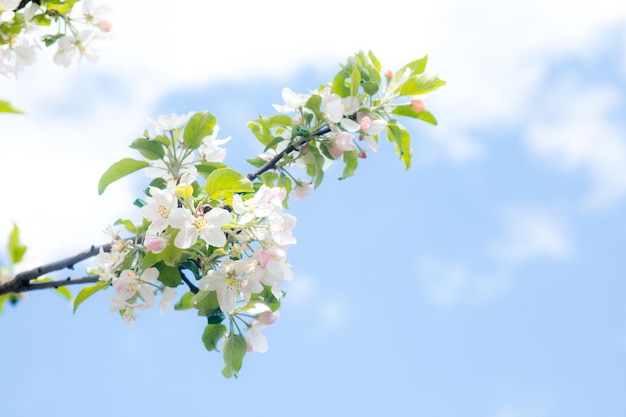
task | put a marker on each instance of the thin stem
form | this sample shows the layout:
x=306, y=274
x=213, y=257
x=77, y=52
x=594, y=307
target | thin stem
x=271, y=164
x=21, y=282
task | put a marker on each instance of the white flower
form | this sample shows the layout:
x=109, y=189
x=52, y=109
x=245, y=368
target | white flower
x=302, y=190
x=169, y=123
x=158, y=209
x=92, y=15
x=256, y=340
x=293, y=101
x=87, y=43
x=130, y=284
x=210, y=150
x=343, y=141
x=167, y=299
x=7, y=8
x=264, y=202
x=235, y=278
x=207, y=226
x=280, y=228
x=335, y=108
x=275, y=268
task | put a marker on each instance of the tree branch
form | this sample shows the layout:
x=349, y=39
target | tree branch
x=63, y=283
x=271, y=164
x=21, y=282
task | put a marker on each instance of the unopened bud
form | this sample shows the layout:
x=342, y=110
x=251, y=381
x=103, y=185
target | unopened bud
x=388, y=74
x=362, y=154
x=418, y=106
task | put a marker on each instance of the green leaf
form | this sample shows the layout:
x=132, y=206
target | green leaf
x=407, y=110
x=212, y=334
x=205, y=168
x=224, y=182
x=185, y=302
x=256, y=162
x=370, y=87
x=402, y=139
x=351, y=159
x=150, y=149
x=235, y=348
x=199, y=126
x=355, y=81
x=339, y=84
x=169, y=275
x=119, y=170
x=205, y=300
x=87, y=292
x=261, y=131
x=415, y=67
x=420, y=84
x=128, y=225
x=6, y=107
x=15, y=248
x=374, y=60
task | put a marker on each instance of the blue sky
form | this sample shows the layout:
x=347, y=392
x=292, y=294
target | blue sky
x=486, y=280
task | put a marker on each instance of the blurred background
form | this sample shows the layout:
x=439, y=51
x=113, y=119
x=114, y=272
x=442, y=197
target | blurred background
x=485, y=281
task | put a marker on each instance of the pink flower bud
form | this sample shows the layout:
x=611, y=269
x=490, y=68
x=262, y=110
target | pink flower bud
x=297, y=119
x=105, y=25
x=268, y=317
x=366, y=123
x=264, y=257
x=388, y=74
x=155, y=244
x=362, y=154
x=418, y=106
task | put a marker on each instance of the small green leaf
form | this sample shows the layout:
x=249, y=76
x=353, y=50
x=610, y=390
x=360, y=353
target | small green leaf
x=397, y=134
x=185, y=302
x=87, y=292
x=374, y=60
x=420, y=84
x=6, y=107
x=256, y=162
x=119, y=170
x=339, y=84
x=415, y=67
x=16, y=249
x=226, y=181
x=235, y=348
x=199, y=126
x=150, y=149
x=128, y=225
x=205, y=168
x=212, y=334
x=169, y=275
x=205, y=300
x=407, y=110
x=355, y=81
x=351, y=159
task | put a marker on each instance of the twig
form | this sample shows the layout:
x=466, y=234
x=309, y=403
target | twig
x=271, y=164
x=62, y=283
x=21, y=282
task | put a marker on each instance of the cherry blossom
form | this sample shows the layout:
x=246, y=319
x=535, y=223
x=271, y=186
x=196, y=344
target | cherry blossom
x=235, y=278
x=207, y=226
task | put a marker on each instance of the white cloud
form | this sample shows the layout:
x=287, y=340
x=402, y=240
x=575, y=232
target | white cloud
x=447, y=284
x=329, y=311
x=531, y=234
x=577, y=132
